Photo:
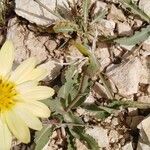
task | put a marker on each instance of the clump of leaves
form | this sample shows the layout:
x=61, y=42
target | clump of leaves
x=76, y=85
x=75, y=89
x=81, y=20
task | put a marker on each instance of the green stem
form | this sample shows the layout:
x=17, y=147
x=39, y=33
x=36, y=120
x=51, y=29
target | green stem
x=79, y=95
x=108, y=90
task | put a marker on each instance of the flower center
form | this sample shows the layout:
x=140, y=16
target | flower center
x=7, y=94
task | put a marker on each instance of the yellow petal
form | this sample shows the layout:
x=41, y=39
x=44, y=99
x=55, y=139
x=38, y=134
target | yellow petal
x=37, y=93
x=37, y=108
x=5, y=136
x=19, y=75
x=26, y=85
x=37, y=74
x=27, y=116
x=17, y=126
x=6, y=58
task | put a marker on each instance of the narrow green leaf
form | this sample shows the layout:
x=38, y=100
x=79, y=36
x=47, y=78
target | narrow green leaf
x=68, y=90
x=55, y=105
x=138, y=37
x=128, y=103
x=88, y=140
x=42, y=137
x=83, y=50
x=65, y=27
x=70, y=141
x=94, y=65
x=100, y=15
x=86, y=5
x=135, y=9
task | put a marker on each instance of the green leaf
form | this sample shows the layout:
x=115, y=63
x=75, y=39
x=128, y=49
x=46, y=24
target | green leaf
x=70, y=141
x=86, y=5
x=98, y=16
x=101, y=115
x=65, y=27
x=134, y=8
x=70, y=80
x=94, y=65
x=128, y=103
x=71, y=118
x=55, y=105
x=137, y=38
x=91, y=142
x=42, y=137
x=86, y=139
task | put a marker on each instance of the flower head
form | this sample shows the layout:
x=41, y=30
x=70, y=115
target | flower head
x=20, y=97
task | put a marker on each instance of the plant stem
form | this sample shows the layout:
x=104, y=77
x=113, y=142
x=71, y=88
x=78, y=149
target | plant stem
x=79, y=94
x=108, y=90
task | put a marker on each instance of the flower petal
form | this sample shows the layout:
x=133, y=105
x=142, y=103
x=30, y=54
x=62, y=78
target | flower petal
x=26, y=85
x=5, y=136
x=27, y=116
x=37, y=108
x=22, y=71
x=17, y=126
x=6, y=58
x=37, y=74
x=37, y=93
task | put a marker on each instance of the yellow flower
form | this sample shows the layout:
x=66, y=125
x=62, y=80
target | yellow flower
x=20, y=97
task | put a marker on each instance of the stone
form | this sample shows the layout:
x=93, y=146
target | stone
x=103, y=55
x=145, y=73
x=107, y=26
x=100, y=135
x=146, y=45
x=100, y=6
x=144, y=99
x=53, y=69
x=113, y=136
x=116, y=14
x=145, y=5
x=144, y=127
x=124, y=29
x=28, y=45
x=128, y=146
x=126, y=76
x=142, y=146
x=33, y=12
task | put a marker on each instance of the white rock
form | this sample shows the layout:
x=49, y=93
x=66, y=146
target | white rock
x=107, y=26
x=31, y=10
x=53, y=69
x=127, y=47
x=100, y=6
x=144, y=127
x=142, y=146
x=145, y=73
x=126, y=76
x=103, y=54
x=100, y=136
x=116, y=14
x=28, y=45
x=144, y=99
x=145, y=6
x=113, y=136
x=146, y=44
x=124, y=29
x=128, y=146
